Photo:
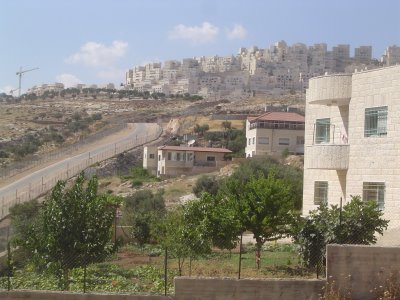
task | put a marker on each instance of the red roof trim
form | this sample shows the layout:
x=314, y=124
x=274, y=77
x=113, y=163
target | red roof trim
x=195, y=149
x=278, y=116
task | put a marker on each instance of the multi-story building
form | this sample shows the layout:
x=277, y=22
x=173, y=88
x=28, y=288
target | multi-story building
x=363, y=55
x=274, y=132
x=391, y=56
x=50, y=87
x=276, y=69
x=352, y=140
x=180, y=160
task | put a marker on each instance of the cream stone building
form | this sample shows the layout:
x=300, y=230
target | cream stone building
x=273, y=133
x=352, y=140
x=181, y=160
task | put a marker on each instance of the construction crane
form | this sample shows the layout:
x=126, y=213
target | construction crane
x=19, y=73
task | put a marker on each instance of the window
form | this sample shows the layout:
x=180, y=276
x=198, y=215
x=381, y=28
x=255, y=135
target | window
x=249, y=141
x=374, y=191
x=263, y=140
x=151, y=156
x=169, y=155
x=320, y=192
x=254, y=140
x=322, y=131
x=210, y=158
x=284, y=141
x=375, y=121
x=300, y=140
x=190, y=156
x=184, y=156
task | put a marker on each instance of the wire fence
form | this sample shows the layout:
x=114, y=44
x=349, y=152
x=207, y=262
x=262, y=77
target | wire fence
x=151, y=268
x=69, y=168
x=33, y=161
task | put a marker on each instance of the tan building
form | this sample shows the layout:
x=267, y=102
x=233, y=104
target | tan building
x=352, y=140
x=273, y=133
x=179, y=160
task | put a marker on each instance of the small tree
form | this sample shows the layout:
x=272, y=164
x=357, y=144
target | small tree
x=143, y=210
x=358, y=223
x=204, y=183
x=263, y=205
x=75, y=229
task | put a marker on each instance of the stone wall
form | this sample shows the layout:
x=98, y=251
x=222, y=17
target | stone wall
x=188, y=288
x=42, y=295
x=360, y=269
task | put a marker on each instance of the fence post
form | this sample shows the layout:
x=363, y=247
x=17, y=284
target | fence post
x=240, y=254
x=84, y=278
x=9, y=269
x=165, y=271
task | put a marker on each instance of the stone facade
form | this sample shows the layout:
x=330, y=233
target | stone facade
x=352, y=140
x=181, y=160
x=274, y=132
x=275, y=69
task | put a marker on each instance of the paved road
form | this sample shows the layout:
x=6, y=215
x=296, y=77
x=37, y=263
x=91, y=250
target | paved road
x=44, y=179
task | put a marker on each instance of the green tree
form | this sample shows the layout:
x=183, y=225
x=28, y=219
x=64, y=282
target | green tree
x=205, y=183
x=201, y=129
x=358, y=223
x=263, y=205
x=142, y=211
x=23, y=217
x=75, y=229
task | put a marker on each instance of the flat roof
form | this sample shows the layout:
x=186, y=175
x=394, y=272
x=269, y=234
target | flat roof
x=278, y=116
x=195, y=149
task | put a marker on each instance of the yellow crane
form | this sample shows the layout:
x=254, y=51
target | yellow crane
x=20, y=73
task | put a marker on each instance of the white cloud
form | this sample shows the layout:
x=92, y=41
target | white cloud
x=203, y=34
x=68, y=80
x=238, y=32
x=113, y=75
x=99, y=55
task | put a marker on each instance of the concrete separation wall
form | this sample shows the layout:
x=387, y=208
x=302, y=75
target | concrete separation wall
x=42, y=295
x=189, y=288
x=362, y=268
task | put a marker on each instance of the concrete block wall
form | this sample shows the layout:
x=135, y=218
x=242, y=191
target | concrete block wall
x=45, y=295
x=361, y=268
x=189, y=288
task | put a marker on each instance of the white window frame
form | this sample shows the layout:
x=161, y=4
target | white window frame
x=375, y=122
x=282, y=141
x=321, y=189
x=375, y=191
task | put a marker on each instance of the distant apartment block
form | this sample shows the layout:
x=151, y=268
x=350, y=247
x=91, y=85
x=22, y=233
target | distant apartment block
x=352, y=140
x=273, y=70
x=274, y=132
x=180, y=160
x=391, y=56
x=41, y=89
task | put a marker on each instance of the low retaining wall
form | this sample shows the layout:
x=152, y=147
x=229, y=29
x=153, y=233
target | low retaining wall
x=188, y=288
x=360, y=269
x=42, y=295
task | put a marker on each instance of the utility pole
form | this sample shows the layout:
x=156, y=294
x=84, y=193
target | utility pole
x=20, y=73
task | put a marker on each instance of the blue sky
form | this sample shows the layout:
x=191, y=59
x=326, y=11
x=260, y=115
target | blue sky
x=96, y=41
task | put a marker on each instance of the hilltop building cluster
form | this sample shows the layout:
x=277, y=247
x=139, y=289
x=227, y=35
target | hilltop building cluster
x=57, y=87
x=276, y=69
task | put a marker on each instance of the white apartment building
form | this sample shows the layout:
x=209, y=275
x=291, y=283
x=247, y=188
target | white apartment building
x=274, y=132
x=277, y=69
x=391, y=56
x=352, y=140
x=50, y=87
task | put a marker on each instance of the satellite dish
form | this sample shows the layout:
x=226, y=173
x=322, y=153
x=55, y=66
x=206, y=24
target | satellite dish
x=191, y=142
